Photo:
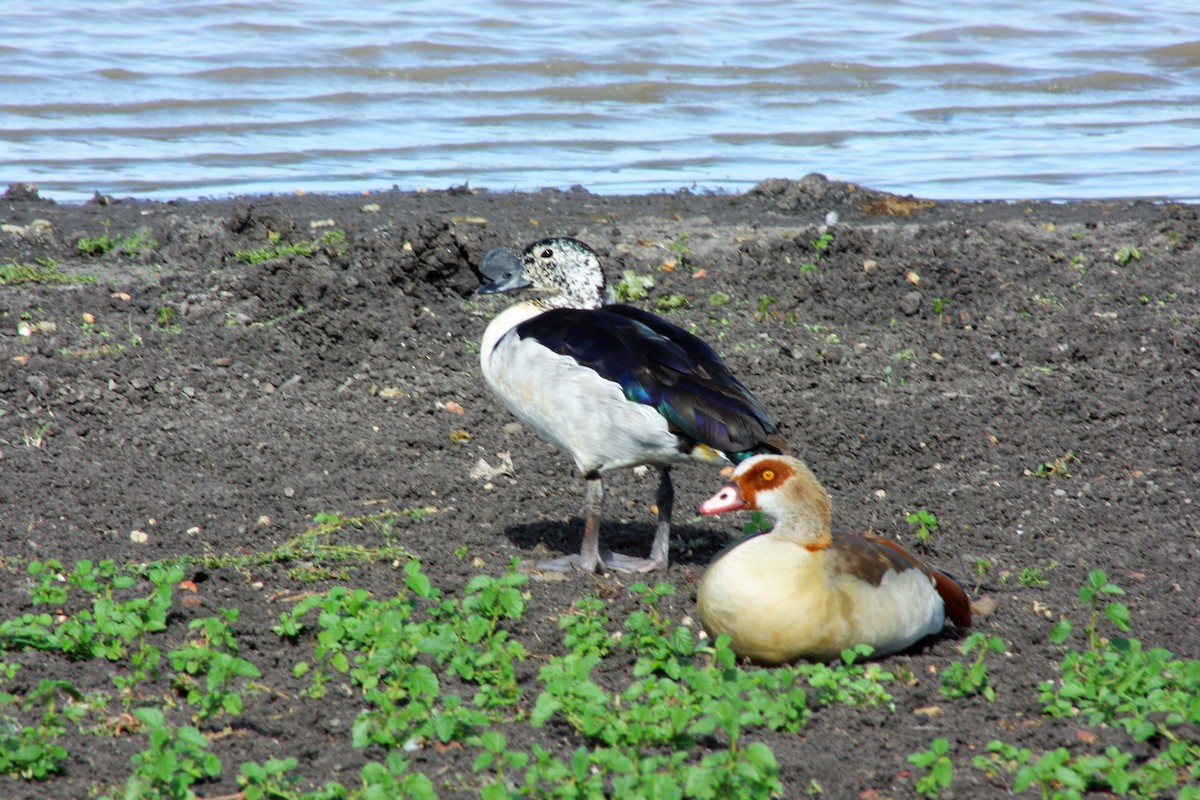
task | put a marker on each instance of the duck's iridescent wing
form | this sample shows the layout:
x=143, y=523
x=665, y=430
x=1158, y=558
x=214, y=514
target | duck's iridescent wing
x=661, y=365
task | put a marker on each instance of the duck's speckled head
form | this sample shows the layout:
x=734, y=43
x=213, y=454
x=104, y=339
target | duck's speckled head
x=565, y=271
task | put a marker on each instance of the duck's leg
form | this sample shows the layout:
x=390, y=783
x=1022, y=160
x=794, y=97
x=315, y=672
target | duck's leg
x=666, y=506
x=588, y=559
x=659, y=550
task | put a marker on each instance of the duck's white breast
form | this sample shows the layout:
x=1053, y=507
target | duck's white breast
x=569, y=404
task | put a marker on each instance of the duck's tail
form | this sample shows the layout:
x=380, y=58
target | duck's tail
x=958, y=605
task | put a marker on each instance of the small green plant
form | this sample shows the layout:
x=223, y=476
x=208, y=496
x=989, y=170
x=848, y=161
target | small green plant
x=213, y=658
x=1035, y=576
x=165, y=319
x=758, y=523
x=269, y=780
x=680, y=249
x=137, y=242
x=967, y=680
x=97, y=245
x=130, y=245
x=924, y=523
x=633, y=286
x=940, y=306
x=939, y=769
x=763, y=312
x=1126, y=254
x=1093, y=591
x=851, y=682
x=1058, y=468
x=719, y=299
x=32, y=752
x=497, y=757
x=174, y=759
x=44, y=271
x=981, y=567
x=37, y=436
x=584, y=628
x=274, y=250
x=671, y=302
x=333, y=236
x=819, y=246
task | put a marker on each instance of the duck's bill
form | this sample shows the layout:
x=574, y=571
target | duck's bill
x=728, y=499
x=503, y=271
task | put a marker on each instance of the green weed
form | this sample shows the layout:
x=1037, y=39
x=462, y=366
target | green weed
x=174, y=759
x=937, y=766
x=1126, y=254
x=32, y=752
x=213, y=658
x=819, y=246
x=671, y=302
x=1058, y=468
x=680, y=249
x=924, y=523
x=968, y=680
x=44, y=271
x=633, y=286
x=260, y=254
x=130, y=244
x=1114, y=682
x=758, y=523
x=1035, y=576
x=718, y=299
x=763, y=312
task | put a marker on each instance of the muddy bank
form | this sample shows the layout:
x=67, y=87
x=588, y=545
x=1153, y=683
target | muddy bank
x=217, y=374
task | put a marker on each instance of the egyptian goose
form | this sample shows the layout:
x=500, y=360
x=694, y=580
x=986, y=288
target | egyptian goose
x=799, y=592
x=611, y=385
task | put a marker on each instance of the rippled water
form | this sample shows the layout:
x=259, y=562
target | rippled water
x=947, y=100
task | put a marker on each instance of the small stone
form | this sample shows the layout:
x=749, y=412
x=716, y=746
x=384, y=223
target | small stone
x=913, y=278
x=139, y=537
x=910, y=304
x=983, y=606
x=289, y=492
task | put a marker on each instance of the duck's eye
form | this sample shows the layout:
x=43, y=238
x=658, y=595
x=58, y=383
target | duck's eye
x=768, y=475
x=547, y=253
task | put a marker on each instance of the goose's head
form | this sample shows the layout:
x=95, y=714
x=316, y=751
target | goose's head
x=564, y=271
x=784, y=489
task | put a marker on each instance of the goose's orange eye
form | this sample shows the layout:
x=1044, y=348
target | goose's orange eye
x=768, y=475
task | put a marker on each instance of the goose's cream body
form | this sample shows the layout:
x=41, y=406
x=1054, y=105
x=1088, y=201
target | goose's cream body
x=612, y=386
x=798, y=592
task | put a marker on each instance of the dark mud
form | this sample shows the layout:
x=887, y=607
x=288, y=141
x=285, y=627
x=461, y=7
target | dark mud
x=938, y=356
